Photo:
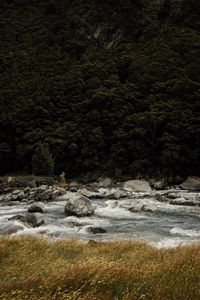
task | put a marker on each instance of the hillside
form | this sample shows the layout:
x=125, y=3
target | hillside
x=100, y=86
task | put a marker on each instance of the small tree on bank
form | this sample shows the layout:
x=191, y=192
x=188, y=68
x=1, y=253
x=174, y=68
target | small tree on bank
x=42, y=161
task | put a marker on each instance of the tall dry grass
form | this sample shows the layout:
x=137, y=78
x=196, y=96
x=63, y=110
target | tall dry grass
x=32, y=268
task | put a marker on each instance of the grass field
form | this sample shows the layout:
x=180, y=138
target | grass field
x=32, y=268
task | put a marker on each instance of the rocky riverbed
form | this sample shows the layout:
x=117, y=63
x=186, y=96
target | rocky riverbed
x=133, y=210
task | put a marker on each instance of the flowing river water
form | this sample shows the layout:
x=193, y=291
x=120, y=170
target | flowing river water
x=166, y=226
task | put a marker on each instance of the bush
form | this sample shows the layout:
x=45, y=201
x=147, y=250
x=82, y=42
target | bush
x=42, y=161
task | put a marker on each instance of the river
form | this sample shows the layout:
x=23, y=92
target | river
x=166, y=226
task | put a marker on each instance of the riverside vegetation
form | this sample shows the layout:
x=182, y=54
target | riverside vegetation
x=36, y=269
x=87, y=84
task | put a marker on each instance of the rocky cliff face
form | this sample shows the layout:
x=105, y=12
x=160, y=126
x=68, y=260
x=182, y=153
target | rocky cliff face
x=107, y=23
x=111, y=22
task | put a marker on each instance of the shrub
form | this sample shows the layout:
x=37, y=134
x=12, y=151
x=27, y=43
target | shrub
x=42, y=161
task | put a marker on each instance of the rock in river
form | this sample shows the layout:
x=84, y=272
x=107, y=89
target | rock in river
x=137, y=186
x=34, y=219
x=35, y=209
x=79, y=206
x=185, y=202
x=16, y=218
x=148, y=208
x=134, y=209
x=96, y=230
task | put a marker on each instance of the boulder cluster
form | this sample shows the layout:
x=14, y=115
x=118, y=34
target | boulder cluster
x=77, y=202
x=41, y=193
x=179, y=197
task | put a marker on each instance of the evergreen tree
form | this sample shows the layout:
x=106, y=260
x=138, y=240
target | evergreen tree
x=42, y=161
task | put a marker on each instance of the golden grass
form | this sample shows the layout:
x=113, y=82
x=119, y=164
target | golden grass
x=32, y=268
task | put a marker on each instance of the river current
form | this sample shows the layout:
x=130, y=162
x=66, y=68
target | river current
x=166, y=226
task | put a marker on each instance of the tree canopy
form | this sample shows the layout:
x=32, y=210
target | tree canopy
x=107, y=86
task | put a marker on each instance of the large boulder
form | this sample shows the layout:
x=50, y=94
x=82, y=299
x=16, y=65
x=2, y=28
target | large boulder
x=79, y=206
x=137, y=186
x=191, y=184
x=34, y=219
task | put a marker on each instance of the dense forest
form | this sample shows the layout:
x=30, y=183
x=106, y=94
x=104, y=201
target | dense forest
x=109, y=87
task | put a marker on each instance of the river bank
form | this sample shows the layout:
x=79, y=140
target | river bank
x=36, y=269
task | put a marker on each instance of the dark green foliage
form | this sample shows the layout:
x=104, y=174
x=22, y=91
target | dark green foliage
x=111, y=87
x=42, y=161
x=51, y=7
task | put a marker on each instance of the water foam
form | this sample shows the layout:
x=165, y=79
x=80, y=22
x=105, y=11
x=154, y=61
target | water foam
x=169, y=243
x=185, y=232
